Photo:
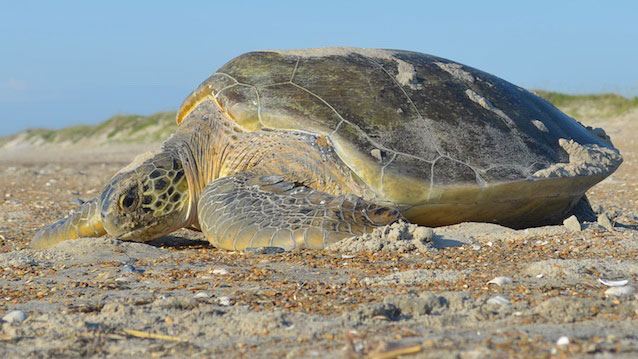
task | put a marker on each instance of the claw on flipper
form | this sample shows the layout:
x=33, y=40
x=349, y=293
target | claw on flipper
x=84, y=222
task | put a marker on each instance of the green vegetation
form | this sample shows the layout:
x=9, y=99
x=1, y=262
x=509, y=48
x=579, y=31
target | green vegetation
x=118, y=129
x=135, y=128
x=595, y=106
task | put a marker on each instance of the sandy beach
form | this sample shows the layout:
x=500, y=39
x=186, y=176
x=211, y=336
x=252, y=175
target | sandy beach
x=465, y=291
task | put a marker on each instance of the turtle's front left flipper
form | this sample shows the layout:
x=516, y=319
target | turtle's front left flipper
x=243, y=211
x=84, y=222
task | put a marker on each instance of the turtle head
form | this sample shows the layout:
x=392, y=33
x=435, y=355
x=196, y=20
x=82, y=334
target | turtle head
x=147, y=199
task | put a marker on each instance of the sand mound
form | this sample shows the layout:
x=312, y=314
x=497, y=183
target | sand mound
x=399, y=237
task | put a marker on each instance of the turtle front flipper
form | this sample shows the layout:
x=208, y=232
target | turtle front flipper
x=84, y=222
x=244, y=211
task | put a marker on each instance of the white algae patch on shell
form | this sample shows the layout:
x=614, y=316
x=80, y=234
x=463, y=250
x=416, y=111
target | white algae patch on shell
x=486, y=104
x=398, y=237
x=456, y=70
x=406, y=73
x=541, y=126
x=584, y=160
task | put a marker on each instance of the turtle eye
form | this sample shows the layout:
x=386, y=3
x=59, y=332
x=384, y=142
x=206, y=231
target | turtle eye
x=128, y=201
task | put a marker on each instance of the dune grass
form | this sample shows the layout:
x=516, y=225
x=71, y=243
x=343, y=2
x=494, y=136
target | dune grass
x=117, y=129
x=591, y=106
x=159, y=126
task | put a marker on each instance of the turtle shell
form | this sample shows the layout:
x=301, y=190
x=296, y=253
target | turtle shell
x=434, y=137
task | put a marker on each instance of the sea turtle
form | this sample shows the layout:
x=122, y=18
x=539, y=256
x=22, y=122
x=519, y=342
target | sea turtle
x=301, y=148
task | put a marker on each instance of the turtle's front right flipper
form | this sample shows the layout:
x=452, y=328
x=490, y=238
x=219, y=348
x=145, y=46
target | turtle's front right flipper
x=245, y=211
x=84, y=222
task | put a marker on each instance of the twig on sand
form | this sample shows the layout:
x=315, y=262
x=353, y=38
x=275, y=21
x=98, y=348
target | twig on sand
x=140, y=334
x=395, y=352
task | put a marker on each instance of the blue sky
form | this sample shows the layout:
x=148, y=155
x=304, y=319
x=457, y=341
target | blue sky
x=71, y=62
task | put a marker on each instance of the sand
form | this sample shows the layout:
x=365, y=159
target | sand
x=403, y=289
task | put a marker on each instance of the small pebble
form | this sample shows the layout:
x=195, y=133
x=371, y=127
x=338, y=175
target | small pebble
x=202, y=295
x=220, y=271
x=604, y=222
x=539, y=276
x=128, y=268
x=562, y=340
x=224, y=301
x=347, y=256
x=16, y=316
x=498, y=300
x=265, y=250
x=619, y=291
x=501, y=281
x=572, y=224
x=77, y=201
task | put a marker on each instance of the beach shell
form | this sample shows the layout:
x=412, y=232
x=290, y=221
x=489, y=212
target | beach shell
x=224, y=301
x=613, y=283
x=220, y=271
x=501, y=281
x=619, y=291
x=604, y=222
x=498, y=300
x=16, y=316
x=202, y=295
x=564, y=340
x=572, y=224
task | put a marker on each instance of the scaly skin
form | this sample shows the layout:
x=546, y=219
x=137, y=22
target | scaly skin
x=84, y=222
x=246, y=211
x=211, y=174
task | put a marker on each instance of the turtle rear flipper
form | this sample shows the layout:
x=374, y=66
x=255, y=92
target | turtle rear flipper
x=84, y=222
x=244, y=211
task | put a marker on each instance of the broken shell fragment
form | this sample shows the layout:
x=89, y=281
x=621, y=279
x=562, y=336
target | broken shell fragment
x=564, y=340
x=501, y=281
x=16, y=316
x=604, y=222
x=498, y=300
x=613, y=283
x=619, y=291
x=572, y=224
x=224, y=301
